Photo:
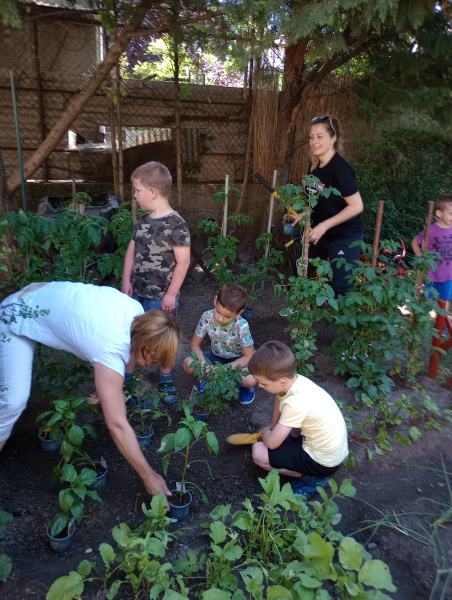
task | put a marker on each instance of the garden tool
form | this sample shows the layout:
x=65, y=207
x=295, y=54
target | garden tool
x=240, y=439
x=265, y=183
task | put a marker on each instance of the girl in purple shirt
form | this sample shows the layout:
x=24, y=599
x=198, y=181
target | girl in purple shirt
x=440, y=240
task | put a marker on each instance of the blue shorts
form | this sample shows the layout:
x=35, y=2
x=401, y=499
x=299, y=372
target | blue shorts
x=155, y=304
x=212, y=358
x=444, y=289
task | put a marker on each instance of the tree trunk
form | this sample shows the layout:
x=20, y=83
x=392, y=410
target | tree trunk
x=76, y=104
x=7, y=198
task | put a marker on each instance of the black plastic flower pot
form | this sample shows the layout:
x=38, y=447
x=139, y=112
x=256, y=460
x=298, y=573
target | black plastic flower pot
x=199, y=413
x=144, y=435
x=178, y=508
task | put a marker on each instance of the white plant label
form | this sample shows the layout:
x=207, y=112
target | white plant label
x=179, y=487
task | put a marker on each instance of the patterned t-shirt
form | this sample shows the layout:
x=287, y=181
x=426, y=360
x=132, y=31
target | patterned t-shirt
x=440, y=240
x=228, y=340
x=154, y=260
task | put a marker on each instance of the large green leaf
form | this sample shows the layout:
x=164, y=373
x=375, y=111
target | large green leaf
x=218, y=532
x=350, y=554
x=76, y=435
x=212, y=441
x=5, y=567
x=66, y=588
x=107, y=553
x=216, y=594
x=278, y=592
x=375, y=573
x=182, y=438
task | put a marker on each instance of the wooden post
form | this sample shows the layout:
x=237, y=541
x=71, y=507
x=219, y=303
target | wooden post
x=376, y=243
x=270, y=219
x=134, y=207
x=73, y=189
x=120, y=141
x=249, y=141
x=177, y=123
x=42, y=124
x=114, y=155
x=305, y=253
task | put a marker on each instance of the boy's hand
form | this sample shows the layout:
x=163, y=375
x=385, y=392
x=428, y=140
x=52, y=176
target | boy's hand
x=127, y=289
x=168, y=303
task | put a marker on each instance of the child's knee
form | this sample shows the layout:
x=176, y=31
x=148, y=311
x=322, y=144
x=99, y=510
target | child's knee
x=249, y=381
x=259, y=453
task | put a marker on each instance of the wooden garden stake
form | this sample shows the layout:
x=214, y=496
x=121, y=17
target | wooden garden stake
x=305, y=253
x=225, y=210
x=134, y=207
x=73, y=188
x=270, y=219
x=376, y=243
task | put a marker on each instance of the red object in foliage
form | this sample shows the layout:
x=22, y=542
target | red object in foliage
x=395, y=260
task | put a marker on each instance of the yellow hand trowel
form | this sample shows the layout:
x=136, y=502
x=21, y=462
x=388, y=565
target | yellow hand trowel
x=241, y=439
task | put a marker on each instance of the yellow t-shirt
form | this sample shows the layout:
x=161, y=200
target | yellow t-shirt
x=308, y=406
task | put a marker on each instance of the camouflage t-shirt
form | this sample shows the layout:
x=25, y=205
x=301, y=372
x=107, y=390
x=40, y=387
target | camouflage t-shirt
x=228, y=340
x=154, y=260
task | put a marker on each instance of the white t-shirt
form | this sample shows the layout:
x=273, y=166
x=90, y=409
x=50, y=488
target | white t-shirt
x=89, y=321
x=308, y=406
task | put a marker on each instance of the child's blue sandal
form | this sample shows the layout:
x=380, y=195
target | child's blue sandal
x=168, y=392
x=307, y=486
x=246, y=395
x=132, y=402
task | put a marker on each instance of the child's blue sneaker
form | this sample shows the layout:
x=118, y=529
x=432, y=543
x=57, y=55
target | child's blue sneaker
x=307, y=486
x=246, y=395
x=168, y=392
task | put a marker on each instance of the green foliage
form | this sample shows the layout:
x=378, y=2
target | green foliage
x=59, y=373
x=305, y=300
x=72, y=497
x=181, y=442
x=220, y=385
x=374, y=332
x=5, y=561
x=138, y=414
x=406, y=167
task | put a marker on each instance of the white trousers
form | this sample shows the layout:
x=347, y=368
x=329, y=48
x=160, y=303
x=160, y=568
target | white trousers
x=16, y=367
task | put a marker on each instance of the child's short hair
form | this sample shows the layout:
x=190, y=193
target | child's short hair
x=443, y=201
x=154, y=175
x=232, y=297
x=155, y=336
x=273, y=360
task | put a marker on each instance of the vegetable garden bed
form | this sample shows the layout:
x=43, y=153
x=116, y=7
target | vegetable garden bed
x=390, y=483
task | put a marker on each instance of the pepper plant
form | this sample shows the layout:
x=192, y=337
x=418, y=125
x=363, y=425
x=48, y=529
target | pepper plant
x=181, y=442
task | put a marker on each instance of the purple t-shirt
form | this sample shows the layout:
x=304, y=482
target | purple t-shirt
x=440, y=240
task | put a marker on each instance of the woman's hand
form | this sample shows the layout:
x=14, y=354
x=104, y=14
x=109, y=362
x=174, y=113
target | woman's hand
x=155, y=484
x=293, y=219
x=318, y=232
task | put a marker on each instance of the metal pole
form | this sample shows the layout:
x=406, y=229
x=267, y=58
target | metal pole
x=19, y=145
x=270, y=218
x=225, y=211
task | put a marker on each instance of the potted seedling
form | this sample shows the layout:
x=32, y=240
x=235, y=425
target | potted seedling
x=143, y=408
x=62, y=527
x=181, y=442
x=292, y=200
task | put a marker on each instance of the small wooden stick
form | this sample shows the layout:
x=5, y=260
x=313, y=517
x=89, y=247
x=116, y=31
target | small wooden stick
x=73, y=188
x=305, y=254
x=376, y=243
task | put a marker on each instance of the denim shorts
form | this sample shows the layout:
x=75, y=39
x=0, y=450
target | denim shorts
x=212, y=358
x=444, y=289
x=155, y=304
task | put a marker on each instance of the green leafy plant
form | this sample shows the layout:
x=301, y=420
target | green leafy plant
x=83, y=198
x=60, y=423
x=138, y=414
x=306, y=299
x=71, y=498
x=5, y=561
x=219, y=388
x=181, y=442
x=121, y=227
x=59, y=373
x=374, y=332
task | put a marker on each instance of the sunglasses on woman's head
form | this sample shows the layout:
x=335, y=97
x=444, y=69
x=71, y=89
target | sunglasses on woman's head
x=322, y=120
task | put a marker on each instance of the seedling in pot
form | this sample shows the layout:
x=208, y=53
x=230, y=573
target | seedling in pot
x=144, y=405
x=181, y=442
x=220, y=386
x=71, y=500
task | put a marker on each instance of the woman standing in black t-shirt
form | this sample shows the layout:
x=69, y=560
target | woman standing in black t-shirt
x=336, y=220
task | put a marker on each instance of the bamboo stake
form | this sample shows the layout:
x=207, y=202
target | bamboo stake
x=270, y=219
x=225, y=209
x=305, y=254
x=73, y=189
x=376, y=243
x=114, y=156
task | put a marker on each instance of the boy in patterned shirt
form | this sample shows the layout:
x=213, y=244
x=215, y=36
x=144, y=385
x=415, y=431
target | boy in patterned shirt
x=158, y=255
x=231, y=341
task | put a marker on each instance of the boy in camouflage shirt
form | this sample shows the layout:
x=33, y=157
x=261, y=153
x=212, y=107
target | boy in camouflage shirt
x=229, y=333
x=158, y=255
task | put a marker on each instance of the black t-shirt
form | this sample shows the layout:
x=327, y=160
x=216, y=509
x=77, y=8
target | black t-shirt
x=336, y=173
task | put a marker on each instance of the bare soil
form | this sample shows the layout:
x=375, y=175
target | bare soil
x=409, y=479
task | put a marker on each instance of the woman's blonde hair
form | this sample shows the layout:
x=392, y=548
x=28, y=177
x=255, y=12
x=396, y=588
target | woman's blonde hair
x=333, y=128
x=155, y=337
